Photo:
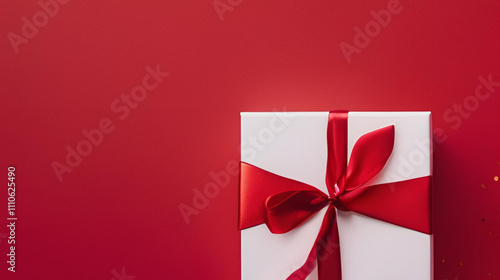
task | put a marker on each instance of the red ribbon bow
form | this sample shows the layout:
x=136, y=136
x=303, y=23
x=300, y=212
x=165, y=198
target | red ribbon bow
x=284, y=204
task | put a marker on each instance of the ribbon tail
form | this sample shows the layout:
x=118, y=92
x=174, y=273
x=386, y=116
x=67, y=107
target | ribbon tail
x=256, y=185
x=329, y=265
x=325, y=252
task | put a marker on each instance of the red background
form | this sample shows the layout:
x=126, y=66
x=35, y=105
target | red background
x=119, y=207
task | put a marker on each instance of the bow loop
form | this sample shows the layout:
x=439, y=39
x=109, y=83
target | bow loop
x=369, y=155
x=290, y=209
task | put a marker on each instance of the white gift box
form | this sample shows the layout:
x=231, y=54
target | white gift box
x=294, y=145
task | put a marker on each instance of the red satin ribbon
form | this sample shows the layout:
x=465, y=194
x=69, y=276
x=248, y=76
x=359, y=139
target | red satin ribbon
x=284, y=204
